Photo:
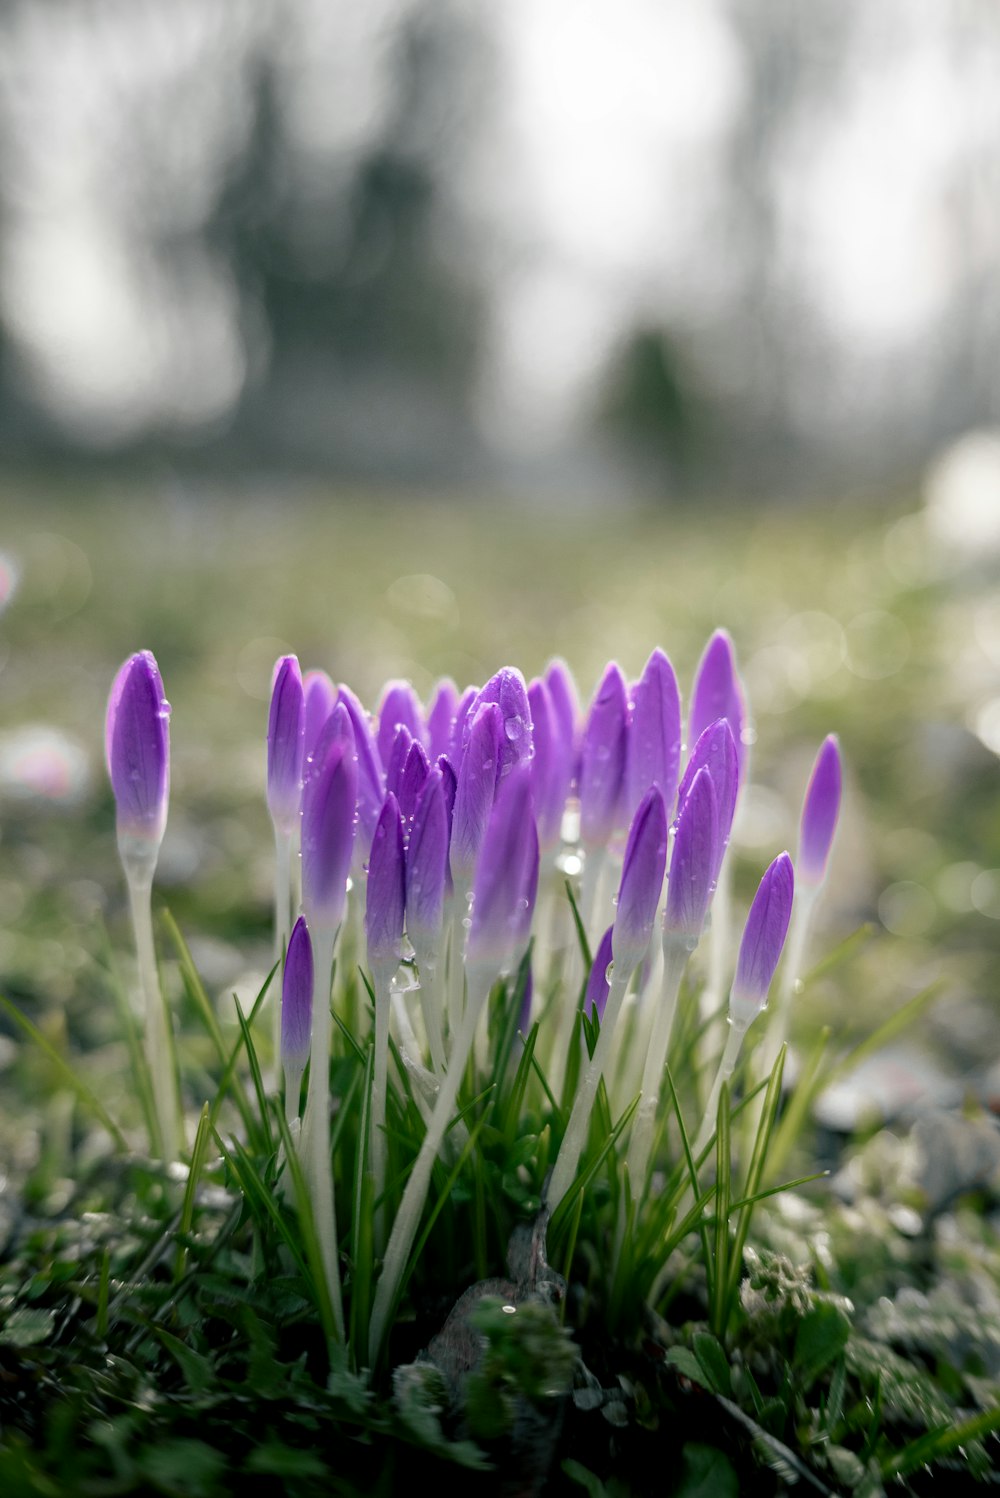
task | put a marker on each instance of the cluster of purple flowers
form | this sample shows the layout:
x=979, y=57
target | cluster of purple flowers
x=446, y=821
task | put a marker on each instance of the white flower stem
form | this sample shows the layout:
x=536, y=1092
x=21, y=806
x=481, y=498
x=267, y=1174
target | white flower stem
x=157, y=1037
x=404, y=1229
x=675, y=953
x=430, y=1006
x=376, y=1136
x=282, y=924
x=579, y=1120
x=727, y=1066
x=456, y=958
x=316, y=1120
x=719, y=940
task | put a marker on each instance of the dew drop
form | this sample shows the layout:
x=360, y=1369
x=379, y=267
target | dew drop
x=609, y=973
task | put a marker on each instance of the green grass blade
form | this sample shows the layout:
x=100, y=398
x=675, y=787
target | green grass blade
x=199, y=1154
x=66, y=1072
x=940, y=1442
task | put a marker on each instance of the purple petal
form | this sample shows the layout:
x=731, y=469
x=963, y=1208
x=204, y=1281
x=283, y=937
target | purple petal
x=427, y=864
x=137, y=745
x=717, y=694
x=598, y=986
x=449, y=783
x=820, y=811
x=694, y=860
x=476, y=789
x=715, y=752
x=320, y=701
x=285, y=743
x=411, y=781
x=505, y=874
x=508, y=691
x=458, y=734
x=399, y=704
x=441, y=717
x=296, y=997
x=397, y=758
x=642, y=881
x=602, y=759
x=654, y=735
x=544, y=780
x=385, y=896
x=329, y=799
x=565, y=699
x=763, y=939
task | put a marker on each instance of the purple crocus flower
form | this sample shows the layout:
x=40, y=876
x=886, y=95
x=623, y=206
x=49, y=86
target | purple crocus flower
x=329, y=799
x=715, y=752
x=285, y=744
x=320, y=699
x=449, y=784
x=427, y=866
x=477, y=781
x=296, y=1010
x=543, y=778
x=137, y=747
x=385, y=894
x=411, y=779
x=602, y=759
x=399, y=704
x=441, y=717
x=819, y=814
x=506, y=874
x=458, y=734
x=642, y=881
x=508, y=691
x=654, y=735
x=565, y=704
x=717, y=694
x=396, y=759
x=598, y=986
x=371, y=780
x=763, y=939
x=694, y=861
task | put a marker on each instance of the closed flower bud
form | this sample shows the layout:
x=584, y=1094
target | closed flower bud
x=717, y=694
x=329, y=801
x=642, y=881
x=506, y=879
x=693, y=862
x=602, y=759
x=385, y=894
x=762, y=943
x=476, y=789
x=819, y=814
x=137, y=745
x=399, y=704
x=285, y=744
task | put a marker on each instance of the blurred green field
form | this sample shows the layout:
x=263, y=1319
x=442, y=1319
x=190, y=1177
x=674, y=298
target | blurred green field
x=843, y=618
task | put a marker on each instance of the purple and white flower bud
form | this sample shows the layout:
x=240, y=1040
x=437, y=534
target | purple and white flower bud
x=642, y=881
x=506, y=875
x=137, y=747
x=458, y=733
x=717, y=694
x=820, y=811
x=398, y=751
x=441, y=717
x=598, y=987
x=399, y=704
x=285, y=744
x=475, y=792
x=427, y=868
x=411, y=780
x=296, y=1011
x=762, y=943
x=654, y=735
x=715, y=752
x=385, y=895
x=693, y=862
x=371, y=780
x=329, y=802
x=320, y=700
x=602, y=760
x=508, y=691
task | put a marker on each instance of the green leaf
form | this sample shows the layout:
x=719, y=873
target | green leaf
x=684, y=1360
x=709, y=1352
x=276, y=1460
x=706, y=1473
x=821, y=1337
x=27, y=1326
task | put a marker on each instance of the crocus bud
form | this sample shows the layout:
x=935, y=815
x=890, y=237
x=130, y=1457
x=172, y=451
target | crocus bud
x=329, y=799
x=320, y=700
x=427, y=867
x=371, y=780
x=693, y=862
x=717, y=694
x=449, y=783
x=441, y=717
x=763, y=939
x=399, y=704
x=598, y=986
x=506, y=874
x=285, y=744
x=819, y=814
x=544, y=789
x=411, y=780
x=385, y=897
x=508, y=691
x=565, y=700
x=398, y=751
x=654, y=735
x=458, y=734
x=642, y=881
x=475, y=791
x=296, y=1010
x=602, y=759
x=137, y=745
x=715, y=752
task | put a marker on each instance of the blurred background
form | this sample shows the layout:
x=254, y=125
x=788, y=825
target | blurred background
x=550, y=245
x=417, y=336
